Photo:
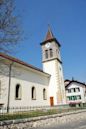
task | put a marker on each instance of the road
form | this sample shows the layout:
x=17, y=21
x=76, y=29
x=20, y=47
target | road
x=72, y=125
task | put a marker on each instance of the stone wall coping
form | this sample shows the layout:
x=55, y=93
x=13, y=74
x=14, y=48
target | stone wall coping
x=33, y=119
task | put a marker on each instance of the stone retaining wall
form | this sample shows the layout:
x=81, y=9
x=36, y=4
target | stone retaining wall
x=44, y=120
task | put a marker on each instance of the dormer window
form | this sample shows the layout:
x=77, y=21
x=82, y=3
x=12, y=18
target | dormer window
x=51, y=53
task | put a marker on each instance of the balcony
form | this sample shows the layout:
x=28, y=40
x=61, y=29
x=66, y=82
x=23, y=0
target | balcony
x=74, y=101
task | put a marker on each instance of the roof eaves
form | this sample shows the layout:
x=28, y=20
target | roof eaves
x=21, y=62
x=74, y=81
x=50, y=40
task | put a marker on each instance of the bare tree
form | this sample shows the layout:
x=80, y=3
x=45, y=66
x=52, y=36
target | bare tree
x=10, y=34
x=10, y=31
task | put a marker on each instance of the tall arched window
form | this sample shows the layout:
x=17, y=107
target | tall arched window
x=51, y=53
x=46, y=54
x=44, y=94
x=18, y=92
x=33, y=93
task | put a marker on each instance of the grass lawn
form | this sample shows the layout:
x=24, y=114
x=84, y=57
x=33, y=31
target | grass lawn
x=35, y=113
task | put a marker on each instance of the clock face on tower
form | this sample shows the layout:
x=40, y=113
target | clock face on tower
x=47, y=45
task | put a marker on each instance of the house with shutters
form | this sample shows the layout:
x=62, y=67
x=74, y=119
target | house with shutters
x=75, y=93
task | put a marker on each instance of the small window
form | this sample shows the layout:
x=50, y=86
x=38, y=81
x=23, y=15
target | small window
x=18, y=92
x=70, y=97
x=46, y=54
x=69, y=90
x=74, y=98
x=77, y=89
x=44, y=94
x=33, y=93
x=74, y=90
x=51, y=53
x=78, y=97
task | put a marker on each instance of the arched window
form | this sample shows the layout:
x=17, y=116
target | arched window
x=33, y=93
x=46, y=54
x=18, y=92
x=44, y=94
x=51, y=53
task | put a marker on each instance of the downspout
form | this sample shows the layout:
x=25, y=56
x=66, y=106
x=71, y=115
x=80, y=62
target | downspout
x=9, y=85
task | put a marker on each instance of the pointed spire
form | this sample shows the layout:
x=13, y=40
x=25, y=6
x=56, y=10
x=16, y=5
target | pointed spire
x=50, y=37
x=49, y=34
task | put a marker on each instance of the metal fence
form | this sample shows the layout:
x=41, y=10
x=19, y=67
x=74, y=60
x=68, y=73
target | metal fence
x=28, y=112
x=3, y=110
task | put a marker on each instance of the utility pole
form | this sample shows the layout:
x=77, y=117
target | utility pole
x=9, y=85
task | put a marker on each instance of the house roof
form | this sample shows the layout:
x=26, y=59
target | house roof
x=67, y=80
x=73, y=81
x=13, y=59
x=50, y=37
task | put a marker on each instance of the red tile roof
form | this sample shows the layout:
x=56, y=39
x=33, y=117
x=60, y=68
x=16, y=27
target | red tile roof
x=49, y=35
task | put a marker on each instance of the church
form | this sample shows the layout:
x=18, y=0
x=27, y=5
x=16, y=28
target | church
x=24, y=85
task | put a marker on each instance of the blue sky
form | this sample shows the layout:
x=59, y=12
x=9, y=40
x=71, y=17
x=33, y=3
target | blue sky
x=67, y=19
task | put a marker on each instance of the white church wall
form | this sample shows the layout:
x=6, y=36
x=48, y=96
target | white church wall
x=4, y=81
x=50, y=68
x=4, y=90
x=26, y=99
x=27, y=78
x=56, y=84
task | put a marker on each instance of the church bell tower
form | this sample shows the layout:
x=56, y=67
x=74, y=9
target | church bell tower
x=52, y=65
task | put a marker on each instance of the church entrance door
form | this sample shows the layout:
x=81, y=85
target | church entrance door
x=51, y=101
